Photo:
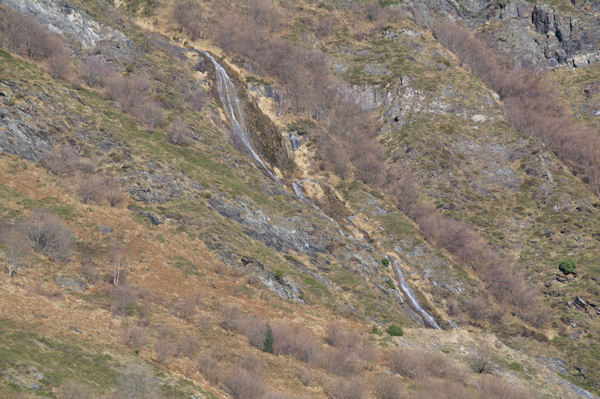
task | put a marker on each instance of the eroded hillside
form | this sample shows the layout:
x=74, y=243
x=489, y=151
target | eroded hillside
x=248, y=200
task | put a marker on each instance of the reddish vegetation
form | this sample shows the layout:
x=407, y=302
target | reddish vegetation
x=23, y=35
x=530, y=104
x=502, y=279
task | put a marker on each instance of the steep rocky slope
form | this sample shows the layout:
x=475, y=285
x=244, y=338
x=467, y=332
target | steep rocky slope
x=306, y=246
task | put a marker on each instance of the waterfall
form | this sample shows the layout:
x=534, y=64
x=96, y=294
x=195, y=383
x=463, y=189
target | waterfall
x=428, y=319
x=299, y=192
x=233, y=111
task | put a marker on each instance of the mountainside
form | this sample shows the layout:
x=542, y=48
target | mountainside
x=290, y=199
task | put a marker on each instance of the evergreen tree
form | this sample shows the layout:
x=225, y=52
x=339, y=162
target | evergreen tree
x=268, y=344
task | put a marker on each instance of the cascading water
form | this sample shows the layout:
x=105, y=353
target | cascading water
x=299, y=192
x=231, y=106
x=428, y=319
x=233, y=112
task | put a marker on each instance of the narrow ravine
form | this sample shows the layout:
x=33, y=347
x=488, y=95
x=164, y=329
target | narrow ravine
x=233, y=112
x=427, y=318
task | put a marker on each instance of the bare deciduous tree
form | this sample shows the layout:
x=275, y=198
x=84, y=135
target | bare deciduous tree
x=91, y=188
x=95, y=71
x=49, y=235
x=118, y=259
x=187, y=15
x=389, y=387
x=58, y=64
x=150, y=114
x=16, y=246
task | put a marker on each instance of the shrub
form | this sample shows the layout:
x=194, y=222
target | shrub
x=187, y=346
x=481, y=363
x=385, y=262
x=114, y=193
x=179, y=133
x=187, y=15
x=418, y=364
x=567, y=266
x=150, y=114
x=245, y=384
x=164, y=347
x=210, y=369
x=58, y=64
x=493, y=386
x=134, y=337
x=389, y=387
x=95, y=71
x=186, y=307
x=230, y=317
x=341, y=361
x=23, y=35
x=394, y=330
x=49, y=235
x=197, y=98
x=91, y=188
x=124, y=299
x=296, y=341
x=375, y=330
x=128, y=92
x=352, y=388
x=61, y=160
x=278, y=274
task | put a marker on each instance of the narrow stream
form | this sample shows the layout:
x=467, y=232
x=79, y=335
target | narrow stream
x=428, y=319
x=231, y=106
x=233, y=112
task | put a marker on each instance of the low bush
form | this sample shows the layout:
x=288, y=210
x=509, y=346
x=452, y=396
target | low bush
x=389, y=387
x=91, y=188
x=49, y=235
x=394, y=330
x=567, y=266
x=61, y=160
x=211, y=369
x=179, y=133
x=351, y=388
x=245, y=384
x=134, y=337
x=419, y=364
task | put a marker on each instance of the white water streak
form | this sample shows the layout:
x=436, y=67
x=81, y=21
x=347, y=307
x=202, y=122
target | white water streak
x=233, y=112
x=428, y=319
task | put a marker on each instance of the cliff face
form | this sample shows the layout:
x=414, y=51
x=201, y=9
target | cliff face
x=566, y=33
